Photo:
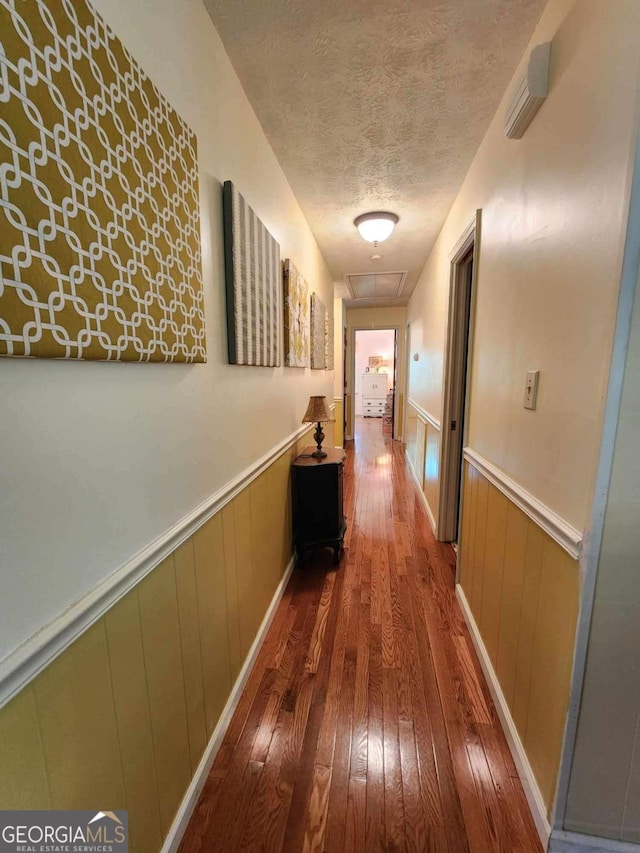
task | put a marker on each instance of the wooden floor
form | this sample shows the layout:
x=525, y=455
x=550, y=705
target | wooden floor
x=366, y=723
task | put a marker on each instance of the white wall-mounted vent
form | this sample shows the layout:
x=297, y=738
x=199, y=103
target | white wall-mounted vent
x=529, y=92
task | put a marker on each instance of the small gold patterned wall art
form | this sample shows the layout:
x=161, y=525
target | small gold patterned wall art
x=328, y=342
x=318, y=333
x=99, y=209
x=296, y=317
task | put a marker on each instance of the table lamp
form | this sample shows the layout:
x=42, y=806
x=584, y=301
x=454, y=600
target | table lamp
x=318, y=413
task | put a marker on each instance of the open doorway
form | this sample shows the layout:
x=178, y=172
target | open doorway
x=456, y=379
x=375, y=380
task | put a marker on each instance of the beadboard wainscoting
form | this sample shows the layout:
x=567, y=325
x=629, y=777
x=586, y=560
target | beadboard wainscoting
x=423, y=453
x=129, y=715
x=399, y=431
x=338, y=426
x=519, y=590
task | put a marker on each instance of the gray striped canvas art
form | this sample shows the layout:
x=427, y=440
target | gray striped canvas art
x=253, y=285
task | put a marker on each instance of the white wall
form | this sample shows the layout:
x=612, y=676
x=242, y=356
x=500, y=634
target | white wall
x=371, y=342
x=604, y=791
x=100, y=459
x=554, y=208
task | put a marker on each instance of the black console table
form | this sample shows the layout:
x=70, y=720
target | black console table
x=318, y=504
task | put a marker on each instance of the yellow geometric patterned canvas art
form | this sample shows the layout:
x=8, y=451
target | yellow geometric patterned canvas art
x=99, y=205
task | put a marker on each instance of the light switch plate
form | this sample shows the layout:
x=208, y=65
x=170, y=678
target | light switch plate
x=531, y=389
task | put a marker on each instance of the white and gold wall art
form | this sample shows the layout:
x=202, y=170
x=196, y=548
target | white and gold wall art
x=318, y=342
x=296, y=317
x=253, y=285
x=328, y=341
x=99, y=205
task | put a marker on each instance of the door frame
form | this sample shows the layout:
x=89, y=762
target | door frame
x=345, y=413
x=396, y=373
x=400, y=379
x=458, y=348
x=407, y=371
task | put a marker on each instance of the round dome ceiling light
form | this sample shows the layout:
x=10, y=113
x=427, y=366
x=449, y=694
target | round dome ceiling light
x=376, y=226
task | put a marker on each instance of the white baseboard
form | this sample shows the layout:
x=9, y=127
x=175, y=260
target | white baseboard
x=575, y=842
x=425, y=502
x=183, y=815
x=529, y=784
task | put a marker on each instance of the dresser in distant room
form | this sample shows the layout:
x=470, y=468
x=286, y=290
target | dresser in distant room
x=374, y=392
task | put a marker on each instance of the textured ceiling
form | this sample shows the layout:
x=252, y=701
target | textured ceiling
x=375, y=105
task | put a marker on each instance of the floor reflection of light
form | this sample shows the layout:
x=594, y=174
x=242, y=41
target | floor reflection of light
x=383, y=460
x=478, y=762
x=375, y=758
x=262, y=741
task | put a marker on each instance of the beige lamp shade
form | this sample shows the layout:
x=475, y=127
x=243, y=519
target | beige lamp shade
x=318, y=412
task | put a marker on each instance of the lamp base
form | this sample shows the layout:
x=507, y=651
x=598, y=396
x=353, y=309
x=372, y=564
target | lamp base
x=318, y=437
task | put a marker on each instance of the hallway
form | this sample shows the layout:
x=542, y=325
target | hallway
x=366, y=723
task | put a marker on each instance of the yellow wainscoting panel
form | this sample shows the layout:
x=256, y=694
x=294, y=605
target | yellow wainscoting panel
x=244, y=561
x=552, y=662
x=400, y=410
x=432, y=468
x=338, y=426
x=411, y=434
x=262, y=542
x=423, y=449
x=526, y=636
x=208, y=547
x=479, y=534
x=188, y=614
x=464, y=565
x=421, y=442
x=522, y=588
x=130, y=700
x=76, y=715
x=236, y=656
x=515, y=549
x=122, y=717
x=492, y=583
x=158, y=600
x=23, y=775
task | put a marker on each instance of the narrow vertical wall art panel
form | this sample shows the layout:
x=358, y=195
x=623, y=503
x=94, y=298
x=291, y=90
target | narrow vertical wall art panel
x=296, y=317
x=328, y=341
x=318, y=343
x=253, y=285
x=99, y=205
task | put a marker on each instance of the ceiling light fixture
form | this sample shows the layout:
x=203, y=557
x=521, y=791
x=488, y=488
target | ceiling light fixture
x=375, y=227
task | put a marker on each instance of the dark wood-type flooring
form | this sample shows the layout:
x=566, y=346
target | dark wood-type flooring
x=366, y=723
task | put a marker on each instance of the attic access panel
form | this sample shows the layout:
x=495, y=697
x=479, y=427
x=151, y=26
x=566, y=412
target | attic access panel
x=387, y=285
